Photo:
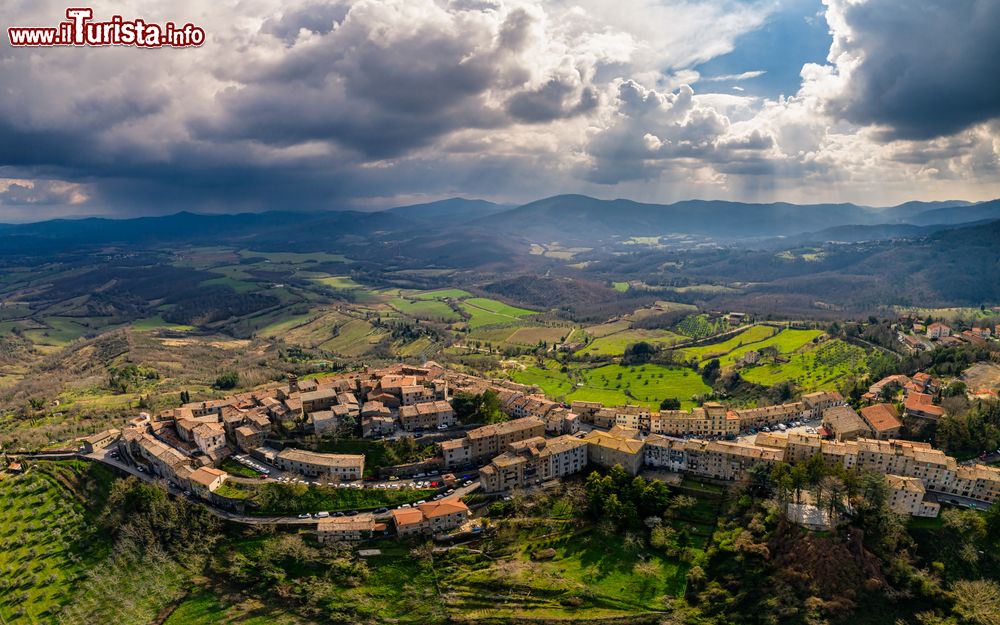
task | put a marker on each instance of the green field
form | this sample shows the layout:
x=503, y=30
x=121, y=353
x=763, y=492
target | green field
x=338, y=282
x=62, y=331
x=621, y=287
x=354, y=339
x=487, y=312
x=157, y=323
x=532, y=335
x=645, y=385
x=752, y=334
x=441, y=294
x=240, y=286
x=819, y=368
x=293, y=258
x=235, y=468
x=615, y=344
x=786, y=342
x=430, y=309
x=754, y=338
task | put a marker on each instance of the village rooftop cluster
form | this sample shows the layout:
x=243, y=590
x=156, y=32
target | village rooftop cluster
x=542, y=441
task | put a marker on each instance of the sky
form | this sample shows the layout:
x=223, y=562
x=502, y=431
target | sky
x=365, y=104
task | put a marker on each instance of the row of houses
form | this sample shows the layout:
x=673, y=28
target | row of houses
x=708, y=420
x=724, y=460
x=941, y=334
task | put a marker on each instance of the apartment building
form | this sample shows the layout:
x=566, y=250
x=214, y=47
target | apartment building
x=426, y=416
x=618, y=446
x=772, y=415
x=816, y=403
x=936, y=471
x=712, y=459
x=906, y=496
x=533, y=461
x=484, y=443
x=938, y=330
x=710, y=419
x=347, y=467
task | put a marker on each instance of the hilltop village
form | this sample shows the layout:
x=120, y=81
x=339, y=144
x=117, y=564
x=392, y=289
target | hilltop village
x=540, y=441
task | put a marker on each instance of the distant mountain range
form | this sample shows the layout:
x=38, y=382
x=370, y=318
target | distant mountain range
x=563, y=218
x=579, y=218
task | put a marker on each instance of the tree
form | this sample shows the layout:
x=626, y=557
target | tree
x=478, y=407
x=977, y=601
x=954, y=389
x=638, y=353
x=670, y=403
x=711, y=371
x=227, y=380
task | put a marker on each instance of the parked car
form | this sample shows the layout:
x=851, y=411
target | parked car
x=304, y=516
x=321, y=515
x=381, y=510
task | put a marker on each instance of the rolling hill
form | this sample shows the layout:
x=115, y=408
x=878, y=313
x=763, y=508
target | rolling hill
x=454, y=210
x=583, y=218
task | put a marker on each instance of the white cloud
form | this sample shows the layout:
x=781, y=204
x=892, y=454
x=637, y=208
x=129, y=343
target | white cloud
x=320, y=103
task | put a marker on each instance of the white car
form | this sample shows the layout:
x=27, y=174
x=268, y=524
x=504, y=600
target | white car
x=321, y=515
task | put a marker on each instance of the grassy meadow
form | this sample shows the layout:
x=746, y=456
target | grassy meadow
x=615, y=384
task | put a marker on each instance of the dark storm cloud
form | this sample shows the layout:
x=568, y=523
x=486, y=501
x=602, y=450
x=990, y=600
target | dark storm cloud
x=316, y=18
x=553, y=100
x=927, y=68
